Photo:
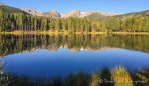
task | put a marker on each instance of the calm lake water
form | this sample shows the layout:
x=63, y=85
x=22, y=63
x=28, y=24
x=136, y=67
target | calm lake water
x=47, y=55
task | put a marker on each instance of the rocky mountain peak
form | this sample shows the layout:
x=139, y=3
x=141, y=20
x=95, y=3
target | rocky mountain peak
x=52, y=13
x=84, y=14
x=1, y=3
x=31, y=11
x=73, y=13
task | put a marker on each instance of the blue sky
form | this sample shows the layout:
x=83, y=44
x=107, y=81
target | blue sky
x=64, y=6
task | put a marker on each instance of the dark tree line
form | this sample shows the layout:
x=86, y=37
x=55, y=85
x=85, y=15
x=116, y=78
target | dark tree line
x=24, y=22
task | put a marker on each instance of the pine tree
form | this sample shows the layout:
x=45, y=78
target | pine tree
x=134, y=24
x=145, y=24
x=123, y=26
x=69, y=23
x=73, y=25
x=128, y=24
x=35, y=24
x=98, y=26
x=93, y=26
x=139, y=24
x=44, y=24
x=77, y=25
x=63, y=25
x=148, y=26
x=113, y=24
x=1, y=19
x=20, y=21
x=57, y=24
x=51, y=24
x=103, y=27
x=88, y=26
x=81, y=25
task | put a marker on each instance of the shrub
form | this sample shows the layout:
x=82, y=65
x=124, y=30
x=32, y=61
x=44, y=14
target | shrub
x=121, y=77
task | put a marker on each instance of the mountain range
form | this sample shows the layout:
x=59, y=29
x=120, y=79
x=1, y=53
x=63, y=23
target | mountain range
x=74, y=13
x=93, y=15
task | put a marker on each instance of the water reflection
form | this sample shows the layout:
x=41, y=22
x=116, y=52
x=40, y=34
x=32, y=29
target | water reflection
x=33, y=54
x=10, y=44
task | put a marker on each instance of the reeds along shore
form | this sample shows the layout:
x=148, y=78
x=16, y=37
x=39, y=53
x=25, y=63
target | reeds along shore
x=118, y=76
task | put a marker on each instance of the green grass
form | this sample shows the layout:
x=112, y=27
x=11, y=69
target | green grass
x=118, y=76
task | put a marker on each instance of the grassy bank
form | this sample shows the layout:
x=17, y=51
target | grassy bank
x=56, y=32
x=118, y=76
x=48, y=32
x=135, y=33
x=32, y=32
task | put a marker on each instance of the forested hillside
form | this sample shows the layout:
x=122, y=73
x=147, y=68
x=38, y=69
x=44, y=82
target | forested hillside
x=97, y=16
x=8, y=9
x=136, y=14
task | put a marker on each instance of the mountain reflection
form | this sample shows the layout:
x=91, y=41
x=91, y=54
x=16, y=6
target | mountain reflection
x=10, y=44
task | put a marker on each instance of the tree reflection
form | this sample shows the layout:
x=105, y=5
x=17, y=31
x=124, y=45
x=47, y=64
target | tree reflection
x=10, y=44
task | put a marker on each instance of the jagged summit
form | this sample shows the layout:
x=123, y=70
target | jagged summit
x=1, y=3
x=78, y=13
x=50, y=13
x=73, y=13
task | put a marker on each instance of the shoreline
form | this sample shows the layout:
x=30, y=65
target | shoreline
x=52, y=32
x=135, y=33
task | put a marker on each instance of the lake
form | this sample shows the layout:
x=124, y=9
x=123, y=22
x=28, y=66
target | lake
x=47, y=55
